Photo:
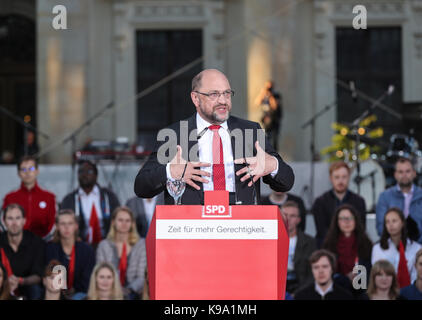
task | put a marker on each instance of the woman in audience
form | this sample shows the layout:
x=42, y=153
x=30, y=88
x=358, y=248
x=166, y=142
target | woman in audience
x=76, y=256
x=53, y=286
x=383, y=282
x=104, y=283
x=347, y=239
x=4, y=285
x=396, y=247
x=125, y=250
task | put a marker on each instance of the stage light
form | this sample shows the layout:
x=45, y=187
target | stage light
x=27, y=118
x=361, y=131
x=343, y=131
x=339, y=153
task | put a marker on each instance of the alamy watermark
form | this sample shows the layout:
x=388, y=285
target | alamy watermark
x=360, y=21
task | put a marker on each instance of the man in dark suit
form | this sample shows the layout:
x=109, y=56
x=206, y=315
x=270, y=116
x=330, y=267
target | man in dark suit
x=143, y=210
x=301, y=247
x=234, y=150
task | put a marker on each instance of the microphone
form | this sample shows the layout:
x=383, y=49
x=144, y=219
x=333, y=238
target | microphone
x=199, y=136
x=353, y=90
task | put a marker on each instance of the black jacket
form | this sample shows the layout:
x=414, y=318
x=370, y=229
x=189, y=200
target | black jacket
x=84, y=262
x=109, y=202
x=309, y=293
x=324, y=207
x=305, y=246
x=152, y=177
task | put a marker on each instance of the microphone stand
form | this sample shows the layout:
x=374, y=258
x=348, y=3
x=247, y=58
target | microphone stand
x=355, y=125
x=72, y=138
x=311, y=122
x=25, y=126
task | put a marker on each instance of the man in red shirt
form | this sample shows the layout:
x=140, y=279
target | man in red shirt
x=39, y=204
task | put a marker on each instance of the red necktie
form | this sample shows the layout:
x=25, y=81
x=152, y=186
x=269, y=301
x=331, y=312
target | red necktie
x=94, y=224
x=123, y=265
x=218, y=160
x=6, y=263
x=403, y=276
x=71, y=269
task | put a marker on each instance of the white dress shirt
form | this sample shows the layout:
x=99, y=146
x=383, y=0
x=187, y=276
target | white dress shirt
x=149, y=205
x=392, y=254
x=322, y=292
x=87, y=200
x=206, y=155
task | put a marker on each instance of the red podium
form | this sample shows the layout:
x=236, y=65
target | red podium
x=217, y=252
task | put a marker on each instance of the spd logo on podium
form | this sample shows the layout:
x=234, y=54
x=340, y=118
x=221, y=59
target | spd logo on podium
x=216, y=204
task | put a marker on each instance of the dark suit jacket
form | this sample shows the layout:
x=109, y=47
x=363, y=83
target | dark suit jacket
x=137, y=206
x=151, y=179
x=109, y=202
x=305, y=246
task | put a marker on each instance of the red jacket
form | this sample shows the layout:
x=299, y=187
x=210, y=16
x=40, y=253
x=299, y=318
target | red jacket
x=39, y=206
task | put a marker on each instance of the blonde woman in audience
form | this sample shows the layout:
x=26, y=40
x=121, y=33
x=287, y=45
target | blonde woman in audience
x=125, y=250
x=383, y=283
x=104, y=283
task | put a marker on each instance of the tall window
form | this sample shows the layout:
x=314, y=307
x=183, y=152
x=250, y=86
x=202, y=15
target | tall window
x=17, y=80
x=160, y=53
x=372, y=59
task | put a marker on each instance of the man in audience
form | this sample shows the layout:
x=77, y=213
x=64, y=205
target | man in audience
x=323, y=264
x=39, y=204
x=301, y=247
x=406, y=196
x=22, y=254
x=414, y=291
x=91, y=203
x=143, y=210
x=279, y=198
x=325, y=205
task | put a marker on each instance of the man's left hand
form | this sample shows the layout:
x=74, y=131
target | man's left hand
x=259, y=166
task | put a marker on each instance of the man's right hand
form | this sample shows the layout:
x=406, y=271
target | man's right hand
x=192, y=173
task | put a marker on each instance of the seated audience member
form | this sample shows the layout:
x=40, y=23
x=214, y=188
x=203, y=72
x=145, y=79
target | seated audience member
x=323, y=264
x=325, y=205
x=280, y=198
x=347, y=239
x=383, y=282
x=53, y=286
x=22, y=254
x=406, y=196
x=301, y=247
x=104, y=283
x=125, y=250
x=143, y=210
x=76, y=256
x=414, y=291
x=91, y=203
x=39, y=204
x=4, y=285
x=396, y=247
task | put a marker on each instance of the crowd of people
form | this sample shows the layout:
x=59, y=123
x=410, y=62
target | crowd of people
x=341, y=262
x=101, y=244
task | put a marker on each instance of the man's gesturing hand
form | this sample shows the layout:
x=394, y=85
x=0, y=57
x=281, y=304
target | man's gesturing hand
x=177, y=166
x=258, y=166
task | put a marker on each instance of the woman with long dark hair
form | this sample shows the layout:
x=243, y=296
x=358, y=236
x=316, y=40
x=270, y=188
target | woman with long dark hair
x=396, y=247
x=347, y=239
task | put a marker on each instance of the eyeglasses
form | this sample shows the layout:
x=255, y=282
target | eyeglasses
x=346, y=218
x=214, y=95
x=28, y=169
